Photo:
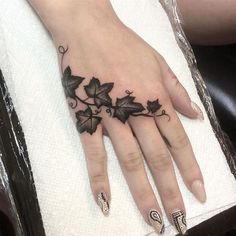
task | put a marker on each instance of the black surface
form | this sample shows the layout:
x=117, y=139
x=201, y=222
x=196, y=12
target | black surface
x=16, y=162
x=223, y=224
x=217, y=65
x=6, y=227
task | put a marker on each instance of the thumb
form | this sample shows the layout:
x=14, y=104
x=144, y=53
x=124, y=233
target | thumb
x=178, y=94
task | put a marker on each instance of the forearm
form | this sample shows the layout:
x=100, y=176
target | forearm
x=209, y=21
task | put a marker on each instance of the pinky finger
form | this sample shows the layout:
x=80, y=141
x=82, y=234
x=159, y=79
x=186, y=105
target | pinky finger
x=96, y=160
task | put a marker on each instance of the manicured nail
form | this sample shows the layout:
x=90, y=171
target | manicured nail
x=198, y=190
x=103, y=203
x=197, y=109
x=179, y=221
x=156, y=221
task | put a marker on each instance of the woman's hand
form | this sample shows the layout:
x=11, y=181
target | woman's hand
x=117, y=84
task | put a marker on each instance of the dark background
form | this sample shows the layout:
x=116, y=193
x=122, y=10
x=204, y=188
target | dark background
x=217, y=65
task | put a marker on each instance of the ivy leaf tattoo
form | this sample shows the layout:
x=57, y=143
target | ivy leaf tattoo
x=153, y=106
x=99, y=92
x=70, y=82
x=125, y=107
x=87, y=121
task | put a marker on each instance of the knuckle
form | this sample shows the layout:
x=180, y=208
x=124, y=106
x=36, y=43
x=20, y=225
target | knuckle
x=191, y=171
x=98, y=178
x=160, y=161
x=180, y=90
x=132, y=162
x=171, y=195
x=145, y=195
x=173, y=76
x=176, y=82
x=97, y=157
x=160, y=57
x=180, y=141
x=165, y=99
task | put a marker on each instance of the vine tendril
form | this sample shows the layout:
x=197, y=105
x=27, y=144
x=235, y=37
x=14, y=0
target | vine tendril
x=108, y=110
x=163, y=113
x=128, y=92
x=73, y=106
x=62, y=51
x=97, y=111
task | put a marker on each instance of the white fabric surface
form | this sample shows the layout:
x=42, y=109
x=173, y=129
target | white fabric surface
x=29, y=63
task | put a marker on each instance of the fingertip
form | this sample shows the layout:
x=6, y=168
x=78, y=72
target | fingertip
x=156, y=221
x=102, y=198
x=103, y=202
x=198, y=190
x=197, y=110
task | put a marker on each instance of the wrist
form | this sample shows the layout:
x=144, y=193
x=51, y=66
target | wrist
x=61, y=18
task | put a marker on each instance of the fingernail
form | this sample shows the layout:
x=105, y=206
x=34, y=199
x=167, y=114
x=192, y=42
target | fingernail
x=156, y=221
x=179, y=221
x=103, y=203
x=198, y=190
x=197, y=109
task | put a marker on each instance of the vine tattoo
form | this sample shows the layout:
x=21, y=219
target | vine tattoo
x=98, y=94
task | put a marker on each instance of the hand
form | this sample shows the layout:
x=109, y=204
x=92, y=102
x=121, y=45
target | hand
x=117, y=84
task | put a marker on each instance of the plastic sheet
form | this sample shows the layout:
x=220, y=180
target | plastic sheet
x=18, y=198
x=175, y=18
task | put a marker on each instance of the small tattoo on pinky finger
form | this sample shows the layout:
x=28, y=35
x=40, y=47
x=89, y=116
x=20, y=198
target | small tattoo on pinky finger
x=103, y=203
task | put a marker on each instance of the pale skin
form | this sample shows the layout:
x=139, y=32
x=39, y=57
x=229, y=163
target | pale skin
x=100, y=45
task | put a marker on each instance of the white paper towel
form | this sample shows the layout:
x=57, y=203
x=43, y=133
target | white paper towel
x=29, y=63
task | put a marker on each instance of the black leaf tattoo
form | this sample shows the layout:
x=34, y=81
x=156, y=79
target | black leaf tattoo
x=125, y=107
x=70, y=82
x=153, y=106
x=89, y=119
x=99, y=92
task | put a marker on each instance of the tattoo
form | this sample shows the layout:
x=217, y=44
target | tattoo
x=179, y=221
x=156, y=221
x=98, y=94
x=103, y=203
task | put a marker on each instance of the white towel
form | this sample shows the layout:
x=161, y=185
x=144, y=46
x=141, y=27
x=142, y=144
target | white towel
x=29, y=63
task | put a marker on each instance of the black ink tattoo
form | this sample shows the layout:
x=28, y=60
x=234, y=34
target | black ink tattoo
x=156, y=221
x=88, y=119
x=103, y=203
x=179, y=221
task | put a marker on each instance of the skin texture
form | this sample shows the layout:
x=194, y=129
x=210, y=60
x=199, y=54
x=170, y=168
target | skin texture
x=105, y=48
x=209, y=22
